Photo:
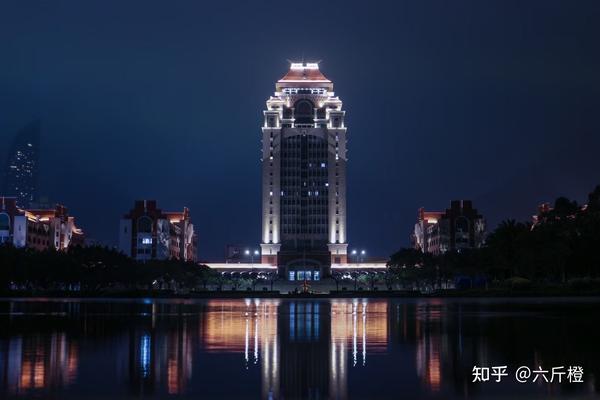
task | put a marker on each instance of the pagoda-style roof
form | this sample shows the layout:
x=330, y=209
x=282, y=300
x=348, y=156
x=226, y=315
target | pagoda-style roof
x=304, y=75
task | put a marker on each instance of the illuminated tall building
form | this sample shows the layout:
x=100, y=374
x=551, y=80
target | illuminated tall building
x=21, y=173
x=304, y=176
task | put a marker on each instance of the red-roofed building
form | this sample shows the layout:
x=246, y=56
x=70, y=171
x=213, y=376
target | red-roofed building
x=40, y=229
x=304, y=76
x=148, y=233
x=459, y=227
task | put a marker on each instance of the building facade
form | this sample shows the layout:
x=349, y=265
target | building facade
x=148, y=233
x=304, y=176
x=39, y=229
x=459, y=227
x=21, y=171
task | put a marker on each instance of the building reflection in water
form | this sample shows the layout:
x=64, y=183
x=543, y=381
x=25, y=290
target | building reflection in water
x=161, y=351
x=299, y=348
x=247, y=327
x=304, y=347
x=38, y=362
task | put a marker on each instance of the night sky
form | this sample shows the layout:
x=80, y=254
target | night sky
x=494, y=101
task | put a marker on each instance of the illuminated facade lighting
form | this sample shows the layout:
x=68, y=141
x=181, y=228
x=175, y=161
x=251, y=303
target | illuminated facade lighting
x=39, y=229
x=304, y=175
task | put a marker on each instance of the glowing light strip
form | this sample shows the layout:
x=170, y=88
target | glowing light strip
x=359, y=266
x=297, y=66
x=304, y=80
x=240, y=266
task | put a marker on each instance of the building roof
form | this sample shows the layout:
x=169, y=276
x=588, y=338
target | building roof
x=430, y=216
x=304, y=75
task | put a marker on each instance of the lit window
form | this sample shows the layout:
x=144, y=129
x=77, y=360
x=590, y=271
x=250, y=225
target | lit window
x=146, y=240
x=317, y=276
x=292, y=276
x=322, y=165
x=300, y=275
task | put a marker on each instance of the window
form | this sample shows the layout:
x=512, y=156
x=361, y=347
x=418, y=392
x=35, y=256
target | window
x=292, y=276
x=144, y=225
x=300, y=275
x=304, y=112
x=308, y=275
x=317, y=276
x=146, y=240
x=4, y=222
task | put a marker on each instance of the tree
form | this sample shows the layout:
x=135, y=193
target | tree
x=337, y=278
x=372, y=278
x=271, y=277
x=506, y=244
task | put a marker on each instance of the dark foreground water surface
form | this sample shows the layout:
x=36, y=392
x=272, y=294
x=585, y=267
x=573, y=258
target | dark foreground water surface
x=284, y=349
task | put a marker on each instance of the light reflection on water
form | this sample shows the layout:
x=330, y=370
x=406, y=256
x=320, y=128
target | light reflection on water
x=269, y=348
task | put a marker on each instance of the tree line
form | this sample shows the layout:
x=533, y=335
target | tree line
x=561, y=245
x=101, y=269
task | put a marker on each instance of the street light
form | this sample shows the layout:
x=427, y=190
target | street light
x=353, y=252
x=252, y=254
x=362, y=255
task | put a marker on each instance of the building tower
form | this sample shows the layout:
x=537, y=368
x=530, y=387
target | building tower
x=21, y=173
x=304, y=176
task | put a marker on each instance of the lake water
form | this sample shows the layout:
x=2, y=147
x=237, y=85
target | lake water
x=287, y=349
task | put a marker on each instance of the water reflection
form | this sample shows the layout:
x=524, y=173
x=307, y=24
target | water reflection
x=38, y=361
x=354, y=348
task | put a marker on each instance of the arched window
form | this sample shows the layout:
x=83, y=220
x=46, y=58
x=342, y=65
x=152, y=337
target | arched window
x=304, y=112
x=144, y=225
x=462, y=225
x=4, y=222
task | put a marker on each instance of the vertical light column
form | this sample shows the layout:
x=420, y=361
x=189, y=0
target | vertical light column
x=271, y=188
x=337, y=186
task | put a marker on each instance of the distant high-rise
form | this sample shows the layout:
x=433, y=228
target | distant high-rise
x=304, y=176
x=21, y=173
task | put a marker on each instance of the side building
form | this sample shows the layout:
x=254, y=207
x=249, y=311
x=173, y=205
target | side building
x=148, y=233
x=459, y=227
x=39, y=229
